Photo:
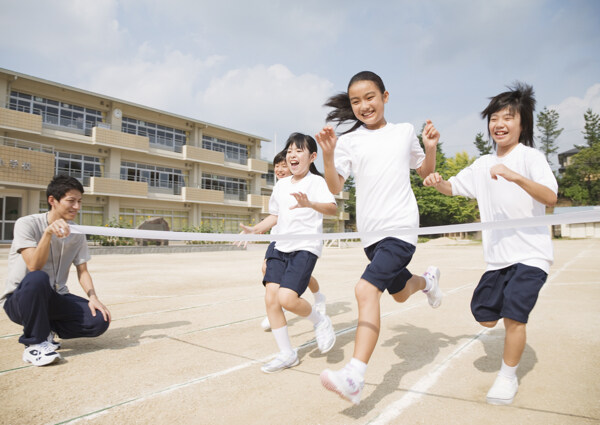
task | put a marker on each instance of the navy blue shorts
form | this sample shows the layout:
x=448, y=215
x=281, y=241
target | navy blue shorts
x=290, y=270
x=270, y=249
x=389, y=259
x=510, y=292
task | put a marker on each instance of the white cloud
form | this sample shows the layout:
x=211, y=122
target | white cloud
x=263, y=98
x=170, y=82
x=571, y=112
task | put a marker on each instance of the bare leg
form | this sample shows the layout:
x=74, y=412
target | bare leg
x=514, y=341
x=367, y=331
x=313, y=285
x=274, y=311
x=414, y=284
x=290, y=300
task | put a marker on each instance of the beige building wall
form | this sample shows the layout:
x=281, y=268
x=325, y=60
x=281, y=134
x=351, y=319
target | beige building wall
x=30, y=143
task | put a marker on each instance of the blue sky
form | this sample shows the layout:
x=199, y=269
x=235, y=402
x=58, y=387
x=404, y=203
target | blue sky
x=266, y=67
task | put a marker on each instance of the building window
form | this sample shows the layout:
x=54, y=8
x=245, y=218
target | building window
x=133, y=217
x=87, y=216
x=82, y=167
x=234, y=152
x=159, y=179
x=234, y=188
x=269, y=177
x=56, y=113
x=224, y=223
x=160, y=136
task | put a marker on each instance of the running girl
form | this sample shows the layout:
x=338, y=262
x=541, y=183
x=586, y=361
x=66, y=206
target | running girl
x=379, y=155
x=297, y=206
x=281, y=170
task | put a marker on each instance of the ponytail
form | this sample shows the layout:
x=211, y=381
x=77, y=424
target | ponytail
x=342, y=108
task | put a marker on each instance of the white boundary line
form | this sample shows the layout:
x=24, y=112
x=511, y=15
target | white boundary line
x=414, y=393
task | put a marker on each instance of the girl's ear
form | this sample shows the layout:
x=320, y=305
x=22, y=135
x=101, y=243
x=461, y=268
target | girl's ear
x=386, y=96
x=313, y=156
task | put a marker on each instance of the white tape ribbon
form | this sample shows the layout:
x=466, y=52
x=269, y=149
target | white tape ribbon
x=567, y=218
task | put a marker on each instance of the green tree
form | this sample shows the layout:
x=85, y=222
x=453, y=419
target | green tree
x=591, y=132
x=350, y=204
x=436, y=209
x=581, y=179
x=547, y=124
x=483, y=145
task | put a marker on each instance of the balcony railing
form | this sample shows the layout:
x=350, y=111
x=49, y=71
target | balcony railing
x=24, y=144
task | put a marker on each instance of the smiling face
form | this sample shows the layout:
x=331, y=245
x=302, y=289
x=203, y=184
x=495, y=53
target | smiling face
x=368, y=103
x=505, y=128
x=299, y=160
x=68, y=206
x=281, y=170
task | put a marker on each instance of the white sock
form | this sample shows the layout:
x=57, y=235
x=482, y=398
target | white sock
x=508, y=371
x=358, y=366
x=319, y=297
x=282, y=339
x=315, y=317
x=428, y=283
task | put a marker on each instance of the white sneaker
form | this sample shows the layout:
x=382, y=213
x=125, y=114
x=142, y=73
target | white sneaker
x=282, y=361
x=40, y=354
x=345, y=382
x=55, y=345
x=265, y=325
x=434, y=294
x=321, y=307
x=503, y=391
x=325, y=335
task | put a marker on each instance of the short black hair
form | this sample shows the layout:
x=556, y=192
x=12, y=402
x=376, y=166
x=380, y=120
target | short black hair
x=520, y=98
x=280, y=157
x=60, y=185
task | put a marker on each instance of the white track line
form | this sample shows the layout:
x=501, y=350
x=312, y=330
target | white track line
x=417, y=391
x=414, y=393
x=233, y=369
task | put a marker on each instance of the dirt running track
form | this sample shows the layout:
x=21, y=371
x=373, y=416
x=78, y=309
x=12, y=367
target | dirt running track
x=185, y=347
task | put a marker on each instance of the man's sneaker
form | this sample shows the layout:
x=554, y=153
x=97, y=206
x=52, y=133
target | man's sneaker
x=265, y=325
x=345, y=382
x=325, y=334
x=55, y=345
x=321, y=307
x=282, y=361
x=40, y=354
x=503, y=391
x=434, y=294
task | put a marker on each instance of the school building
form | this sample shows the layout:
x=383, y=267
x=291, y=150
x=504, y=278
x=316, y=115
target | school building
x=134, y=162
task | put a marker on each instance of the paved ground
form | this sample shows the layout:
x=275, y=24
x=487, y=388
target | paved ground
x=185, y=347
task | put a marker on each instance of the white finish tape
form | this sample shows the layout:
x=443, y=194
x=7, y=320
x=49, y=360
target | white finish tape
x=568, y=218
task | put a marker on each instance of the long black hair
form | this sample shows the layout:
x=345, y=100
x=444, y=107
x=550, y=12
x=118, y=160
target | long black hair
x=520, y=98
x=303, y=141
x=342, y=108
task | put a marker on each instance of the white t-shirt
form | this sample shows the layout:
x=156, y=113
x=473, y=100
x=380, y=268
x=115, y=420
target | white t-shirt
x=299, y=220
x=380, y=161
x=63, y=252
x=503, y=200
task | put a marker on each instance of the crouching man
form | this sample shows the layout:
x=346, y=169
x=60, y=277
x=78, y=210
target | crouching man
x=39, y=260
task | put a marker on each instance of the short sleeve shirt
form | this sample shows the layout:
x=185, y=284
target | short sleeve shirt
x=28, y=232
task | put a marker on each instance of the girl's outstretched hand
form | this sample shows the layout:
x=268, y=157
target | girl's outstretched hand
x=327, y=139
x=430, y=135
x=245, y=230
x=302, y=200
